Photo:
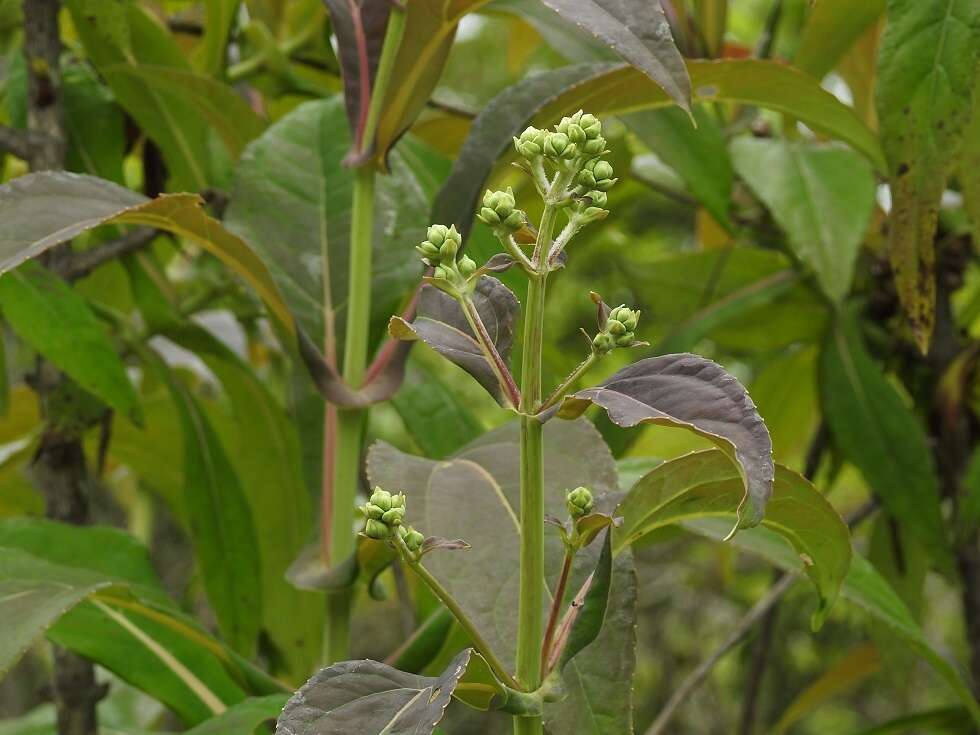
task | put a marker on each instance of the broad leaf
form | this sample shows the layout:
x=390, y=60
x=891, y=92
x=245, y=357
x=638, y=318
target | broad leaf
x=927, y=70
x=58, y=323
x=698, y=155
x=221, y=523
x=612, y=89
x=291, y=200
x=359, y=26
x=475, y=496
x=693, y=393
x=44, y=209
x=639, y=32
x=821, y=196
x=874, y=428
x=441, y=324
x=243, y=718
x=706, y=484
x=969, y=167
x=367, y=696
x=831, y=28
x=862, y=586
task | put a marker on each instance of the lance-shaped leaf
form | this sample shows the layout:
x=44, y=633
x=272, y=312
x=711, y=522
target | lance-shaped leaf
x=706, y=484
x=612, y=88
x=639, y=32
x=693, y=393
x=441, y=324
x=926, y=74
x=832, y=27
x=44, y=209
x=59, y=324
x=360, y=29
x=370, y=697
x=243, y=717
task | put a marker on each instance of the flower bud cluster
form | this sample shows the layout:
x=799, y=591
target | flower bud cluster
x=579, y=502
x=500, y=211
x=619, y=330
x=440, y=249
x=384, y=512
x=575, y=137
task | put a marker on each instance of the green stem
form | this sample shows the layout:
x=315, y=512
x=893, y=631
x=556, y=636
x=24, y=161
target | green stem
x=499, y=670
x=561, y=390
x=529, y=631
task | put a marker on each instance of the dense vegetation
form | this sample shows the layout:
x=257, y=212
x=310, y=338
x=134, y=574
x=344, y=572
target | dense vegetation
x=294, y=393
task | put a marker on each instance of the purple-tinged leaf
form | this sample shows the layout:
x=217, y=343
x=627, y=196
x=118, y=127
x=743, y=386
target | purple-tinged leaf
x=690, y=392
x=370, y=697
x=638, y=31
x=442, y=325
x=370, y=558
x=360, y=28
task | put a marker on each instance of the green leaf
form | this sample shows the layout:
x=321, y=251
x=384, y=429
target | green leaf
x=690, y=392
x=243, y=718
x=44, y=209
x=698, y=155
x=367, y=696
x=484, y=579
x=927, y=70
x=639, y=32
x=291, y=199
x=877, y=432
x=267, y=459
x=941, y=721
x=95, y=126
x=588, y=612
x=831, y=28
x=210, y=56
x=173, y=123
x=821, y=196
x=57, y=322
x=969, y=167
x=614, y=89
x=442, y=325
x=862, y=586
x=221, y=524
x=706, y=484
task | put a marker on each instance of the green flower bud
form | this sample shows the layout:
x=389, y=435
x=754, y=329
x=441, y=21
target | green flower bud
x=440, y=272
x=393, y=517
x=579, y=502
x=558, y=145
x=381, y=499
x=370, y=510
x=375, y=529
x=467, y=266
x=625, y=340
x=616, y=327
x=429, y=252
x=448, y=250
x=627, y=316
x=531, y=143
x=591, y=125
x=398, y=500
x=597, y=174
x=603, y=343
x=570, y=127
x=594, y=147
x=412, y=538
x=599, y=198
x=500, y=208
x=436, y=234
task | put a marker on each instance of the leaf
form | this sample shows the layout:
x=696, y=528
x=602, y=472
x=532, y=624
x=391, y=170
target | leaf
x=173, y=123
x=860, y=663
x=639, y=32
x=706, y=484
x=588, y=610
x=969, y=167
x=442, y=325
x=948, y=720
x=484, y=579
x=221, y=524
x=370, y=558
x=359, y=26
x=692, y=393
x=95, y=125
x=367, y=696
x=435, y=416
x=243, y=718
x=877, y=432
x=430, y=27
x=292, y=620
x=58, y=323
x=862, y=586
x=44, y=209
x=821, y=196
x=291, y=199
x=927, y=70
x=698, y=155
x=831, y=28
x=607, y=89
x=220, y=16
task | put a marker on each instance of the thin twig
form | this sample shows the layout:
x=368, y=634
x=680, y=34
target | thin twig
x=83, y=263
x=21, y=143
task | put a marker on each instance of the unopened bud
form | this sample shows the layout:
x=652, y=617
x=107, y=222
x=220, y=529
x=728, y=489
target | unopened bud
x=629, y=317
x=381, y=499
x=531, y=143
x=603, y=343
x=591, y=125
x=467, y=266
x=579, y=502
x=412, y=538
x=375, y=529
x=597, y=174
x=500, y=209
x=558, y=145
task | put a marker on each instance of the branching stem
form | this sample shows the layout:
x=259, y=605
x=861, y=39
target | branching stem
x=499, y=365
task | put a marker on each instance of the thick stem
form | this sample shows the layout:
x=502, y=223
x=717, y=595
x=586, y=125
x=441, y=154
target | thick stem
x=350, y=422
x=556, y=605
x=529, y=631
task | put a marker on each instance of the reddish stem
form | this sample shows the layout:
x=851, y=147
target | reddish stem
x=549, y=633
